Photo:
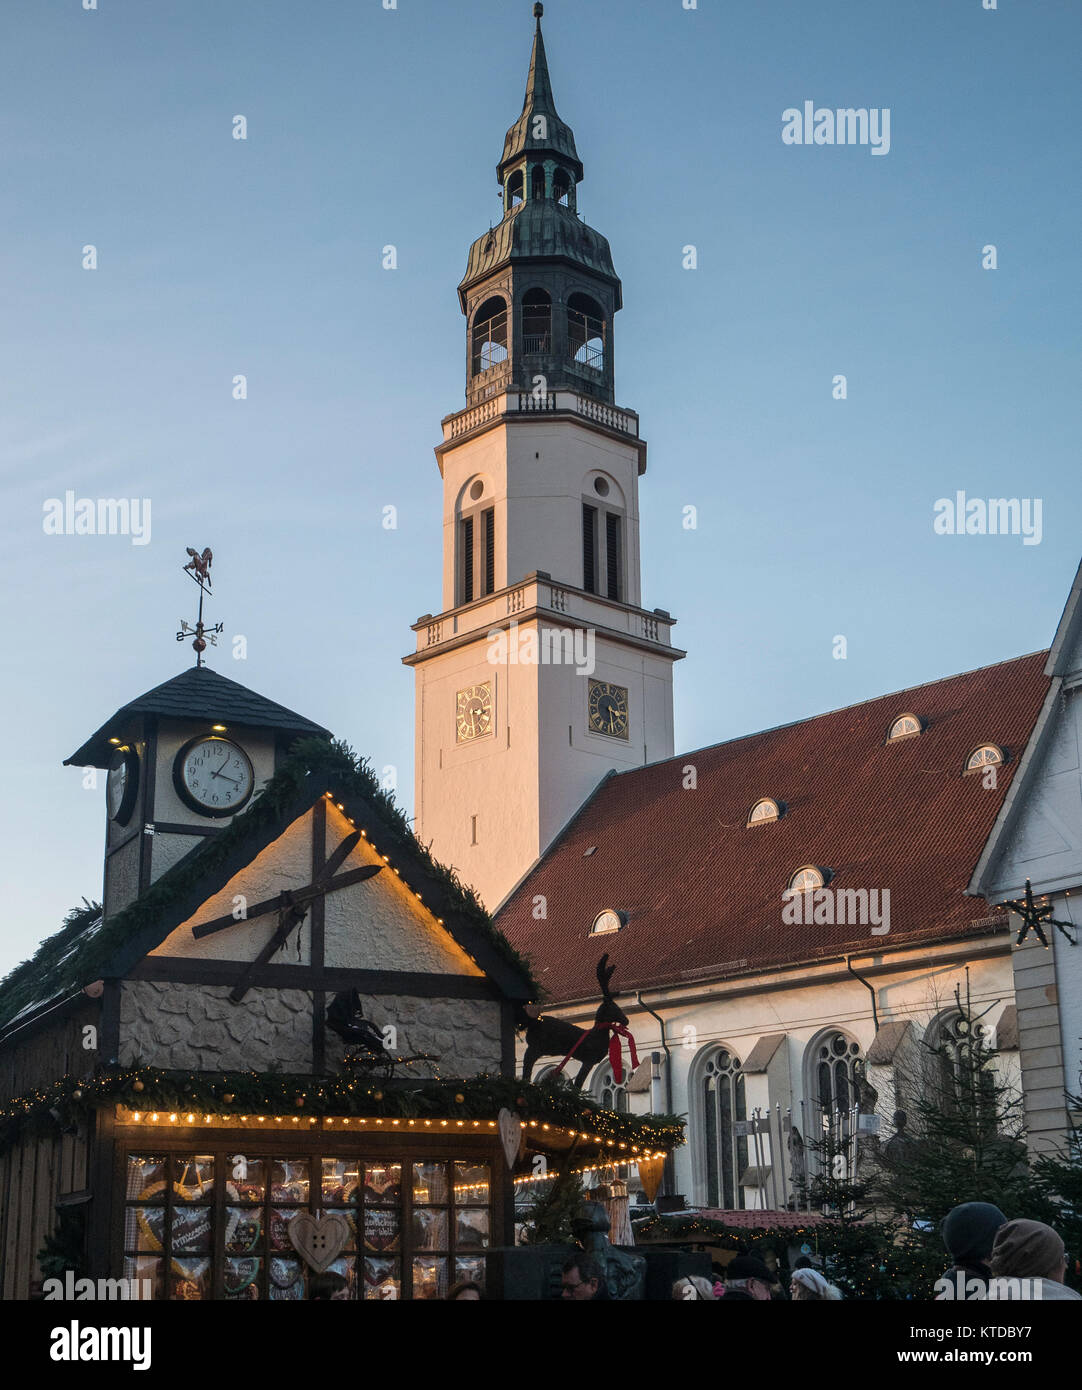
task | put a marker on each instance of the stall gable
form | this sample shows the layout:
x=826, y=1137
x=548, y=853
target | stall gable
x=376, y=924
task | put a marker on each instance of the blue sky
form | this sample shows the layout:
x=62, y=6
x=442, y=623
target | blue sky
x=369, y=127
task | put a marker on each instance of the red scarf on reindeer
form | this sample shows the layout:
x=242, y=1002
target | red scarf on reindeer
x=619, y=1030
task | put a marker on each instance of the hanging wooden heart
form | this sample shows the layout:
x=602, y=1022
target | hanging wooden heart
x=510, y=1135
x=319, y=1243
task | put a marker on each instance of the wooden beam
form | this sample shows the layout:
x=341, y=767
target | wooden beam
x=420, y=984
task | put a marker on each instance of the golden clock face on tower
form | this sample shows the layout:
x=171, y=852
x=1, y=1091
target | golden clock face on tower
x=473, y=712
x=607, y=709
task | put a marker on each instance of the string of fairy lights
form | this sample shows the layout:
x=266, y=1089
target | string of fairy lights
x=149, y=1097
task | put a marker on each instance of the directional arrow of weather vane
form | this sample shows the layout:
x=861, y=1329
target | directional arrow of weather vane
x=1033, y=916
x=292, y=907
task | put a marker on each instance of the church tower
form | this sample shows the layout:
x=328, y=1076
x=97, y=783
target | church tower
x=542, y=671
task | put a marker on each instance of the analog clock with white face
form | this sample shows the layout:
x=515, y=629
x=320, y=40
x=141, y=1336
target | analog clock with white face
x=473, y=712
x=121, y=785
x=213, y=775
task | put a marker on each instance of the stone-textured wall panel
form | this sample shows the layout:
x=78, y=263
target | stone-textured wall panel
x=463, y=1033
x=195, y=1026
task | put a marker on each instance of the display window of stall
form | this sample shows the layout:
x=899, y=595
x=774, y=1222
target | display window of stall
x=217, y=1224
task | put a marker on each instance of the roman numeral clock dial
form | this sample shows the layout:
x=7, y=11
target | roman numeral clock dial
x=213, y=776
x=473, y=713
x=607, y=709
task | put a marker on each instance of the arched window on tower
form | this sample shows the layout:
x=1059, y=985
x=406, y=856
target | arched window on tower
x=489, y=336
x=725, y=1153
x=537, y=181
x=561, y=187
x=514, y=189
x=536, y=322
x=586, y=332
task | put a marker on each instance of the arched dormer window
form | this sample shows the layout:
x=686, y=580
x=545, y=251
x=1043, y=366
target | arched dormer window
x=537, y=181
x=489, y=343
x=766, y=809
x=536, y=322
x=514, y=190
x=586, y=332
x=987, y=755
x=904, y=727
x=807, y=879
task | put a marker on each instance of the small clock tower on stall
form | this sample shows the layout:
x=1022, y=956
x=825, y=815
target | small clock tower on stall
x=542, y=671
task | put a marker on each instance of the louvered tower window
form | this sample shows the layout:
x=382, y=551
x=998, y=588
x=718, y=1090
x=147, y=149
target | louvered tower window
x=589, y=548
x=466, y=526
x=488, y=542
x=613, y=557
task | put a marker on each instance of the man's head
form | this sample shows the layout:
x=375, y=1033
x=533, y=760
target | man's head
x=1028, y=1250
x=581, y=1279
x=969, y=1231
x=749, y=1273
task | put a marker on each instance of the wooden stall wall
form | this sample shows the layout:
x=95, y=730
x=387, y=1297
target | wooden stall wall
x=40, y=1170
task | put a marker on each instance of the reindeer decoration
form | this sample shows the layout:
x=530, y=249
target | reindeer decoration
x=553, y=1037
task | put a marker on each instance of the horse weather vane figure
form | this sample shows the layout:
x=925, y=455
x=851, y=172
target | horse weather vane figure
x=198, y=567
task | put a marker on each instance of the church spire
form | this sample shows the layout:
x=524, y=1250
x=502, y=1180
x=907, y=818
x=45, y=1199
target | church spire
x=539, y=130
x=538, y=86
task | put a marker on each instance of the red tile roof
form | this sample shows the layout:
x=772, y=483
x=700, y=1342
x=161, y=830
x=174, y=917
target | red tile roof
x=702, y=893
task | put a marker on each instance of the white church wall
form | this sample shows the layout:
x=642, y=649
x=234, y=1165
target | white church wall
x=736, y=1016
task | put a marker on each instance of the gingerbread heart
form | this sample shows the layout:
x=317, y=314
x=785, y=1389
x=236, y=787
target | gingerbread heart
x=510, y=1135
x=319, y=1243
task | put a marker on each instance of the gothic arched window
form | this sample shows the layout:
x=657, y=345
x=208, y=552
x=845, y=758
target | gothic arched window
x=724, y=1151
x=489, y=347
x=835, y=1081
x=536, y=322
x=610, y=1093
x=959, y=1079
x=586, y=332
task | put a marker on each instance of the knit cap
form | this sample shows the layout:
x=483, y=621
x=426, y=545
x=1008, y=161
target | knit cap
x=1026, y=1250
x=969, y=1230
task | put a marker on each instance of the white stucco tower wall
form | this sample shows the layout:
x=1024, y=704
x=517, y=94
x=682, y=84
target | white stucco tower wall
x=538, y=642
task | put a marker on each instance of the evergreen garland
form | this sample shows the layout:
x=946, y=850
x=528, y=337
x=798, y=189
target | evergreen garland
x=277, y=1094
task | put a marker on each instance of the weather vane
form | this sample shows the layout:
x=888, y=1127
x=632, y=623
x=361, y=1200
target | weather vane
x=198, y=567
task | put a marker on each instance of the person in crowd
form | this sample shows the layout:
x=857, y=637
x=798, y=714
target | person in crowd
x=747, y=1279
x=1030, y=1250
x=583, y=1279
x=807, y=1285
x=691, y=1287
x=968, y=1232
x=466, y=1290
